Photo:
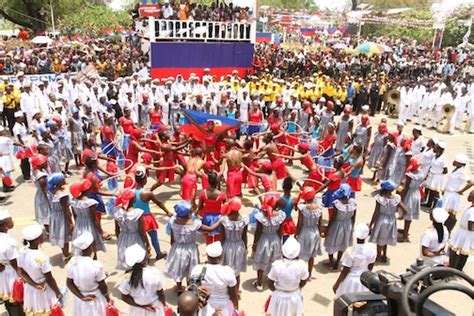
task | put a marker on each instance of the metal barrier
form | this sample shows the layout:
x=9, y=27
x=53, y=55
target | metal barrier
x=200, y=30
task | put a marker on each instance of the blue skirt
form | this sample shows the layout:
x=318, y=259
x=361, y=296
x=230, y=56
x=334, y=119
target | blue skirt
x=210, y=219
x=253, y=129
x=108, y=149
x=328, y=198
x=125, y=141
x=101, y=206
x=154, y=127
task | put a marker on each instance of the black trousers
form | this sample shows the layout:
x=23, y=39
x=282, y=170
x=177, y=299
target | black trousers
x=457, y=261
x=10, y=115
x=25, y=168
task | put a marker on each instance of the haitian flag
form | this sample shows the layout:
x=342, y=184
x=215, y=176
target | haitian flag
x=308, y=31
x=220, y=123
x=168, y=59
x=264, y=37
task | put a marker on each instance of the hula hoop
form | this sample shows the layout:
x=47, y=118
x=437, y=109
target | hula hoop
x=109, y=150
x=269, y=193
x=124, y=171
x=311, y=180
x=285, y=124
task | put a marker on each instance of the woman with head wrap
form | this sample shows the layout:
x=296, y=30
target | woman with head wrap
x=377, y=146
x=64, y=142
x=434, y=239
x=39, y=163
x=355, y=261
x=386, y=158
x=60, y=218
x=339, y=231
x=363, y=132
x=184, y=254
x=86, y=279
x=234, y=237
x=53, y=150
x=400, y=161
x=129, y=226
x=344, y=126
x=267, y=242
x=84, y=209
x=411, y=195
x=383, y=225
x=142, y=289
x=308, y=227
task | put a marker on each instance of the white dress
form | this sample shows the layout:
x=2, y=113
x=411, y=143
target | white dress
x=287, y=298
x=86, y=275
x=146, y=294
x=36, y=264
x=358, y=259
x=435, y=180
x=462, y=240
x=8, y=252
x=6, y=160
x=451, y=198
x=218, y=279
x=429, y=239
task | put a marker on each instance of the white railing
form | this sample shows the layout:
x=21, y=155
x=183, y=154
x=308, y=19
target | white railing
x=198, y=30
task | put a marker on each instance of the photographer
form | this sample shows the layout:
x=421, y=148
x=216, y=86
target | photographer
x=219, y=279
x=194, y=302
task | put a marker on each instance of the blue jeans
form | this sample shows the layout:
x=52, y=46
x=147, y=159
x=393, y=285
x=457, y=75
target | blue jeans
x=154, y=241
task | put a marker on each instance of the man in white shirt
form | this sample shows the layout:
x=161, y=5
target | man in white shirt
x=461, y=103
x=20, y=132
x=27, y=103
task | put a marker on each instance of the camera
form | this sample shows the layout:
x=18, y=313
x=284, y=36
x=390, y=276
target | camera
x=392, y=294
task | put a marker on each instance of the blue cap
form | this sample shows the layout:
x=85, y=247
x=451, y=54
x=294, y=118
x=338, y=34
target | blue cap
x=54, y=180
x=388, y=185
x=182, y=209
x=42, y=130
x=344, y=191
x=50, y=124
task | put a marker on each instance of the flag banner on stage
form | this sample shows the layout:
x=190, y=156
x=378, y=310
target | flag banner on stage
x=264, y=37
x=307, y=31
x=172, y=58
x=200, y=118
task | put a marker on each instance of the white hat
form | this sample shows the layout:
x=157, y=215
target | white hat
x=461, y=158
x=83, y=241
x=361, y=231
x=214, y=250
x=32, y=232
x=113, y=101
x=4, y=214
x=418, y=128
x=18, y=114
x=291, y=248
x=400, y=123
x=20, y=73
x=134, y=254
x=439, y=215
x=365, y=107
x=2, y=129
x=27, y=85
x=58, y=104
x=441, y=145
x=322, y=99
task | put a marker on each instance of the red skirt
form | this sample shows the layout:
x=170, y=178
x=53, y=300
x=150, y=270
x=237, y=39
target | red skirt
x=234, y=182
x=279, y=167
x=149, y=222
x=315, y=175
x=168, y=173
x=188, y=186
x=355, y=183
x=288, y=227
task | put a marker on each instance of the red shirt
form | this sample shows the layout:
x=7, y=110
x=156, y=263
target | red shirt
x=127, y=125
x=211, y=206
x=155, y=117
x=255, y=117
x=107, y=134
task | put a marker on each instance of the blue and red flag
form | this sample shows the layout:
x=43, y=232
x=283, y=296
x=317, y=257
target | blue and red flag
x=168, y=59
x=220, y=123
x=264, y=37
x=307, y=31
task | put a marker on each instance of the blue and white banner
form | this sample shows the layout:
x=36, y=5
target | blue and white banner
x=37, y=78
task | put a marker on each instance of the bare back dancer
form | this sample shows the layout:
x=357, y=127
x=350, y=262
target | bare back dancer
x=194, y=168
x=271, y=150
x=233, y=157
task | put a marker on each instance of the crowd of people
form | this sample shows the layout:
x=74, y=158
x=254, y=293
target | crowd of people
x=131, y=128
x=190, y=11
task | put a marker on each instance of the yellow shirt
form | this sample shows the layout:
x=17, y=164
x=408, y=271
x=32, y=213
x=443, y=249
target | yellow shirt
x=10, y=101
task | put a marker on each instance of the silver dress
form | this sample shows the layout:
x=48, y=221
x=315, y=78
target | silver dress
x=128, y=222
x=84, y=223
x=58, y=228
x=385, y=227
x=399, y=166
x=308, y=236
x=235, y=253
x=376, y=150
x=184, y=253
x=42, y=206
x=339, y=235
x=385, y=173
x=342, y=133
x=269, y=245
x=412, y=198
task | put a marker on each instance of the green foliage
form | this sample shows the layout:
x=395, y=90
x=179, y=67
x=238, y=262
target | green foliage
x=290, y=4
x=392, y=4
x=91, y=20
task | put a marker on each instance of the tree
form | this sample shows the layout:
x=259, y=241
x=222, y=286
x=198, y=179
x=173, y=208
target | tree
x=36, y=14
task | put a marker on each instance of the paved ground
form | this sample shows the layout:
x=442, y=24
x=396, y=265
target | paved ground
x=318, y=295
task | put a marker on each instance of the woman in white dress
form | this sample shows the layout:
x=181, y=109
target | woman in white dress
x=434, y=239
x=219, y=279
x=9, y=252
x=41, y=292
x=286, y=279
x=86, y=279
x=355, y=261
x=435, y=181
x=6, y=159
x=458, y=182
x=142, y=289
x=461, y=244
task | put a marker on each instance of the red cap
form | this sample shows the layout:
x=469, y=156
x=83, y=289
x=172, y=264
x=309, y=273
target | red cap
x=308, y=193
x=38, y=160
x=303, y=147
x=413, y=165
x=78, y=188
x=124, y=198
x=233, y=205
x=330, y=105
x=147, y=158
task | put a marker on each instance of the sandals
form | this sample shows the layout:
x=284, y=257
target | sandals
x=257, y=286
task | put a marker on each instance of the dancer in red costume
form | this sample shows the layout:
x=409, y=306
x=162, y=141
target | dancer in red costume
x=271, y=150
x=233, y=157
x=135, y=147
x=255, y=120
x=189, y=180
x=249, y=159
x=210, y=204
x=155, y=115
x=280, y=139
x=268, y=177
